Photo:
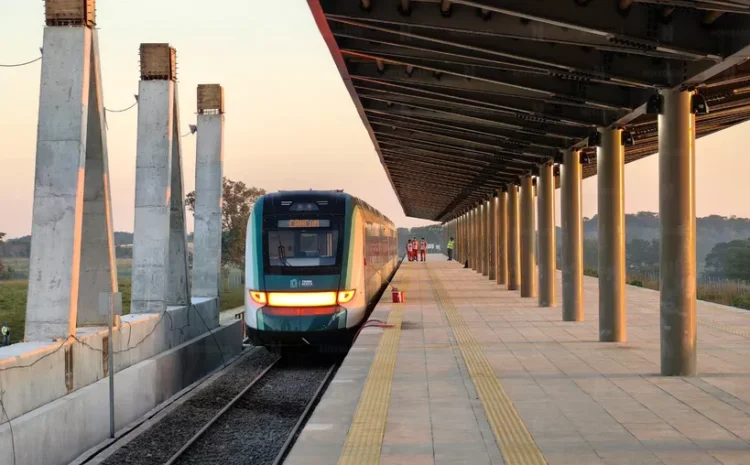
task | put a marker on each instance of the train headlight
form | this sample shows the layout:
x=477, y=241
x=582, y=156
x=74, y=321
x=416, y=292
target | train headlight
x=259, y=297
x=301, y=299
x=345, y=296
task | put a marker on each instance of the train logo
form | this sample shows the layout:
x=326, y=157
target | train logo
x=294, y=284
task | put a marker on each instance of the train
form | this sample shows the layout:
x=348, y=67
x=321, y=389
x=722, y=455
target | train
x=316, y=262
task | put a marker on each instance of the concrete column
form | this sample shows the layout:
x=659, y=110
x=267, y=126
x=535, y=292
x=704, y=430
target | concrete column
x=677, y=215
x=572, y=230
x=485, y=238
x=502, y=236
x=459, y=238
x=159, y=250
x=208, y=192
x=514, y=238
x=72, y=246
x=528, y=232
x=475, y=239
x=547, y=256
x=178, y=285
x=492, y=238
x=461, y=241
x=470, y=238
x=480, y=238
x=610, y=164
x=467, y=239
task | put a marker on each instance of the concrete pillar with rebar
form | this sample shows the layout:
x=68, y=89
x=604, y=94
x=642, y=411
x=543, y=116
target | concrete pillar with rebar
x=208, y=192
x=72, y=245
x=159, y=241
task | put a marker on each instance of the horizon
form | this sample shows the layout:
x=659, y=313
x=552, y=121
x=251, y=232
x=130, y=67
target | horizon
x=290, y=123
x=585, y=219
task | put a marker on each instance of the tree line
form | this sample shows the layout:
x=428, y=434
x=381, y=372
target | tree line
x=237, y=202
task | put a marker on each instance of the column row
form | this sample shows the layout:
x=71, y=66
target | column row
x=498, y=238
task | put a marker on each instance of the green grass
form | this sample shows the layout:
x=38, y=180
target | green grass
x=232, y=298
x=20, y=267
x=13, y=303
x=13, y=307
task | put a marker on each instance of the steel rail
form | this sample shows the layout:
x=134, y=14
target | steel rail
x=286, y=447
x=219, y=414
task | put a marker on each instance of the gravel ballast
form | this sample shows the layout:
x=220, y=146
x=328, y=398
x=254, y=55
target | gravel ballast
x=157, y=444
x=254, y=430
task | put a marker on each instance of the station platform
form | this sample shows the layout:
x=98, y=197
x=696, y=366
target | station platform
x=471, y=373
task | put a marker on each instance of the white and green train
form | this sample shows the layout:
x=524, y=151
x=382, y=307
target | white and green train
x=315, y=264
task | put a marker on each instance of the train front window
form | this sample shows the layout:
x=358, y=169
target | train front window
x=304, y=243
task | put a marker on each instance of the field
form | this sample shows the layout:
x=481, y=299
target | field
x=718, y=291
x=13, y=295
x=20, y=267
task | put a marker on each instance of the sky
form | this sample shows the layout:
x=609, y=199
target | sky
x=290, y=123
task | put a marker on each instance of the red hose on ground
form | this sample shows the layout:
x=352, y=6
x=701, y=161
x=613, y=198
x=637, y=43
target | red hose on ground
x=375, y=324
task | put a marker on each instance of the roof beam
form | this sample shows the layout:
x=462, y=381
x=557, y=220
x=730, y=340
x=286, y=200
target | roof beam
x=598, y=23
x=469, y=146
x=451, y=159
x=423, y=144
x=405, y=156
x=467, y=48
x=514, y=122
x=434, y=122
x=445, y=115
x=589, y=94
x=397, y=157
x=374, y=85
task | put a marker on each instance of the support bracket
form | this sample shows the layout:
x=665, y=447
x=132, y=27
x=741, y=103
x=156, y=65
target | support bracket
x=655, y=105
x=626, y=138
x=595, y=139
x=698, y=104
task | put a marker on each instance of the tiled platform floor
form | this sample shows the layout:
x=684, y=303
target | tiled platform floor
x=584, y=402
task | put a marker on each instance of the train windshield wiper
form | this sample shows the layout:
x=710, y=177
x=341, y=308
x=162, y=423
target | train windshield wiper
x=282, y=254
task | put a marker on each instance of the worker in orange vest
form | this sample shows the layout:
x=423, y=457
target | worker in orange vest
x=409, y=250
x=423, y=250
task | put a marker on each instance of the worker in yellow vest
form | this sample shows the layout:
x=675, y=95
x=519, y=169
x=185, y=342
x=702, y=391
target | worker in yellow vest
x=6, y=334
x=451, y=244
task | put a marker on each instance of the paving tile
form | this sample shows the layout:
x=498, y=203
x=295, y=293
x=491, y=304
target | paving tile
x=583, y=402
x=407, y=460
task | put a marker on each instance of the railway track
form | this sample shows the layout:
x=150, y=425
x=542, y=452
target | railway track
x=259, y=425
x=249, y=413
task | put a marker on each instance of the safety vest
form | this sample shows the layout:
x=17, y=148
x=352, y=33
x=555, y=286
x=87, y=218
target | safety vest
x=450, y=245
x=5, y=330
x=423, y=245
x=409, y=246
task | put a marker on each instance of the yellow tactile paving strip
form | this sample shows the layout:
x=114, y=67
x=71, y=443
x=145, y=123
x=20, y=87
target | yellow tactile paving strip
x=514, y=440
x=728, y=329
x=365, y=438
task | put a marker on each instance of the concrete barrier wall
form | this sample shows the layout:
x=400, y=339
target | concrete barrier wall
x=59, y=431
x=33, y=374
